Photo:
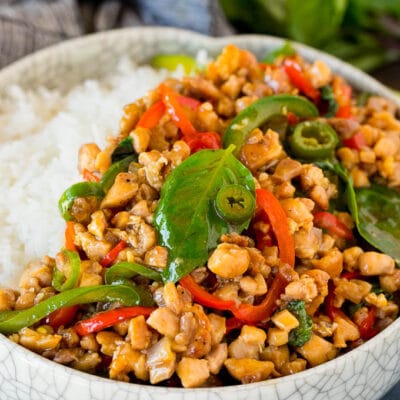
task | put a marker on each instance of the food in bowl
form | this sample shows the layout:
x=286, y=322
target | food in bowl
x=241, y=226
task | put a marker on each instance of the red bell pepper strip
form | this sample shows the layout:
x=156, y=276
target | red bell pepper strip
x=330, y=309
x=61, y=317
x=109, y=318
x=344, y=111
x=204, y=298
x=152, y=116
x=328, y=221
x=351, y=275
x=233, y=323
x=356, y=142
x=366, y=326
x=189, y=102
x=110, y=257
x=203, y=140
x=342, y=92
x=278, y=220
x=90, y=176
x=70, y=236
x=264, y=310
x=171, y=101
x=300, y=80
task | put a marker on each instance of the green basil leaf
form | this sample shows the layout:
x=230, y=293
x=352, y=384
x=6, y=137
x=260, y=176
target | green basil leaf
x=378, y=218
x=124, y=149
x=285, y=50
x=329, y=97
x=186, y=220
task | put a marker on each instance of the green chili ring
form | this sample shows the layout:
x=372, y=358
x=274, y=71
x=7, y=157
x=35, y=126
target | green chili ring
x=81, y=189
x=313, y=140
x=172, y=61
x=13, y=321
x=234, y=203
x=259, y=112
x=62, y=282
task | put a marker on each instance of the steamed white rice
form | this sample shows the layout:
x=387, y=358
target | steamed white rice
x=40, y=135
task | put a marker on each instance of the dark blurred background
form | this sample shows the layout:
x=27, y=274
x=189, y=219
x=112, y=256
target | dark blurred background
x=365, y=33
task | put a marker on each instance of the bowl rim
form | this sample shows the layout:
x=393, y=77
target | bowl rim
x=346, y=70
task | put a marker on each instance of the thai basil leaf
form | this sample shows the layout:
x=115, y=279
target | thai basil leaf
x=186, y=220
x=124, y=149
x=378, y=218
x=375, y=211
x=285, y=50
x=329, y=97
x=302, y=334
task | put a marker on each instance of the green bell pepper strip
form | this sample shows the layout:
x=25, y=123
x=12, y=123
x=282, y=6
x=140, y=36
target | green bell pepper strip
x=124, y=149
x=235, y=203
x=259, y=112
x=120, y=166
x=313, y=140
x=62, y=282
x=172, y=61
x=127, y=270
x=13, y=321
x=81, y=189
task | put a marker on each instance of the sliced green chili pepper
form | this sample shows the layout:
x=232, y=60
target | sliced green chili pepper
x=124, y=149
x=120, y=166
x=313, y=140
x=81, y=189
x=172, y=61
x=13, y=321
x=285, y=50
x=126, y=270
x=63, y=282
x=259, y=112
x=235, y=203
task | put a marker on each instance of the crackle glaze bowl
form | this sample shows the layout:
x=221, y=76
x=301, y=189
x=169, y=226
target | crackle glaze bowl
x=366, y=372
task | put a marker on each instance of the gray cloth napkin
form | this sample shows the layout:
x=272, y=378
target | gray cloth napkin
x=29, y=25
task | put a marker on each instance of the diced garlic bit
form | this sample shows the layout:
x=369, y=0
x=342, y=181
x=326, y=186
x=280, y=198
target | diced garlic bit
x=248, y=370
x=192, y=372
x=161, y=361
x=285, y=320
x=317, y=350
x=373, y=263
x=229, y=260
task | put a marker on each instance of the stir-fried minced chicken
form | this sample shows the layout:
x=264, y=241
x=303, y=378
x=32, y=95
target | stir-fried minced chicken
x=333, y=294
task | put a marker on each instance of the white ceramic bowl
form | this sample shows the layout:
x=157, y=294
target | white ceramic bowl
x=364, y=373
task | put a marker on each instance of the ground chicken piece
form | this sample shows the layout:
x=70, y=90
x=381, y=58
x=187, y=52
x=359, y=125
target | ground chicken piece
x=202, y=87
x=161, y=361
x=317, y=350
x=98, y=224
x=303, y=289
x=292, y=367
x=164, y=321
x=38, y=341
x=156, y=257
x=321, y=279
x=258, y=153
x=372, y=263
x=253, y=286
x=298, y=211
x=87, y=157
x=307, y=242
x=141, y=236
x=287, y=169
x=390, y=283
x=172, y=298
x=332, y=263
x=192, y=372
x=319, y=74
x=7, y=299
x=354, y=289
x=216, y=357
x=94, y=249
x=38, y=274
x=278, y=355
x=67, y=356
x=83, y=207
x=87, y=362
x=229, y=260
x=248, y=370
x=249, y=344
x=323, y=326
x=140, y=138
x=126, y=360
x=345, y=331
x=91, y=273
x=350, y=258
x=122, y=191
x=108, y=341
x=130, y=117
x=139, y=334
x=153, y=163
x=218, y=328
